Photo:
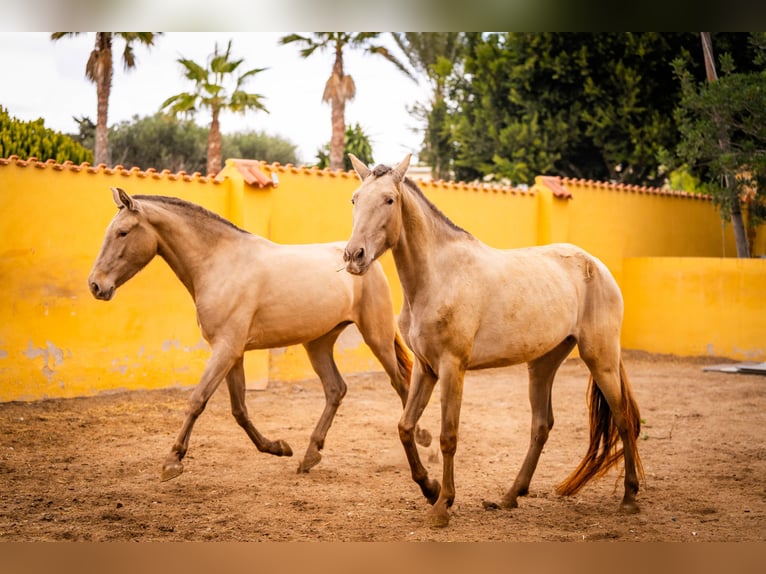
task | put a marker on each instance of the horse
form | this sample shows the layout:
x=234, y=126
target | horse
x=468, y=306
x=252, y=293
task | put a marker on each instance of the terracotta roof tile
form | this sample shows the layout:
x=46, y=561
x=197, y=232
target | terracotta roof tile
x=252, y=172
x=556, y=186
x=116, y=170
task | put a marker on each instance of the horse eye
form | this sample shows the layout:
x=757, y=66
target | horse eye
x=122, y=233
x=390, y=201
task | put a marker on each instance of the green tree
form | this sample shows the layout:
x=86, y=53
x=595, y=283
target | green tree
x=340, y=87
x=436, y=55
x=86, y=132
x=722, y=122
x=261, y=146
x=213, y=91
x=99, y=70
x=585, y=105
x=161, y=141
x=356, y=142
x=33, y=139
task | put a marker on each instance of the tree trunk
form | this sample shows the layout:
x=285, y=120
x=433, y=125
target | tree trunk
x=214, y=160
x=338, y=114
x=101, y=152
x=737, y=221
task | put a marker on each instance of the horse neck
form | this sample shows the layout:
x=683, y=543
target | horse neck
x=424, y=235
x=185, y=245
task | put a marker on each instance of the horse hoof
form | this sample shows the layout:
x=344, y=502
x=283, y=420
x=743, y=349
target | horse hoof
x=438, y=519
x=509, y=502
x=281, y=448
x=171, y=470
x=309, y=462
x=423, y=437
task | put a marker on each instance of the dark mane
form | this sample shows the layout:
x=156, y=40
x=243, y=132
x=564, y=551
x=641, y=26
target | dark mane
x=192, y=208
x=381, y=170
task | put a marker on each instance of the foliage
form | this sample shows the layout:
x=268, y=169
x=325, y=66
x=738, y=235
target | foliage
x=357, y=142
x=213, y=90
x=723, y=124
x=340, y=87
x=584, y=105
x=163, y=141
x=436, y=55
x=99, y=70
x=86, y=132
x=261, y=146
x=160, y=141
x=33, y=139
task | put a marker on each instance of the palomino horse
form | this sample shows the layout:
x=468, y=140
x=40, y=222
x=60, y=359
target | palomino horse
x=251, y=293
x=470, y=306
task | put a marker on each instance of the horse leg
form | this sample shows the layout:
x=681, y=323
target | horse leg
x=541, y=374
x=451, y=375
x=320, y=352
x=236, y=383
x=421, y=387
x=217, y=367
x=609, y=376
x=378, y=335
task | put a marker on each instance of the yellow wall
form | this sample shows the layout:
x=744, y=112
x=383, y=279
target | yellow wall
x=696, y=306
x=57, y=341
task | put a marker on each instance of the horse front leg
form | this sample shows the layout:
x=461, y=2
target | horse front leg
x=451, y=375
x=235, y=380
x=421, y=387
x=218, y=365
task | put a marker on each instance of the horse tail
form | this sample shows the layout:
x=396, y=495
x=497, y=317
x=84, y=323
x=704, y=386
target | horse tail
x=403, y=360
x=603, y=452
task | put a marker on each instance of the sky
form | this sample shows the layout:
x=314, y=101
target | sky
x=43, y=78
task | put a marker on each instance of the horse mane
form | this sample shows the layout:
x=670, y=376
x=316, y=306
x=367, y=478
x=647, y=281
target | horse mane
x=194, y=209
x=381, y=170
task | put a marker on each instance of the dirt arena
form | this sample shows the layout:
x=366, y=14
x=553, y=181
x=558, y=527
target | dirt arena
x=88, y=469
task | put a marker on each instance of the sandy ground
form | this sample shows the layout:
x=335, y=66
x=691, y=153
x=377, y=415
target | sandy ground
x=88, y=469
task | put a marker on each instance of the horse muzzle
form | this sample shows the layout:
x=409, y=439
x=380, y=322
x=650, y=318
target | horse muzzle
x=357, y=262
x=100, y=291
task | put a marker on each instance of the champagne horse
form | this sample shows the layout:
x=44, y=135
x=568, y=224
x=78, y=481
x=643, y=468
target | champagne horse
x=252, y=293
x=470, y=306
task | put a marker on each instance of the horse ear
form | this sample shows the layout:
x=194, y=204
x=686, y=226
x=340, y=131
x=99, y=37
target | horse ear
x=361, y=170
x=122, y=199
x=401, y=170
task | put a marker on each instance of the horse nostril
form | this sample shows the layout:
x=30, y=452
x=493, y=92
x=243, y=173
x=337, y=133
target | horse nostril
x=359, y=254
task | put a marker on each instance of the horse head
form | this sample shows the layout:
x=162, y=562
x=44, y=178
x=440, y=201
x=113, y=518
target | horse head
x=377, y=216
x=129, y=244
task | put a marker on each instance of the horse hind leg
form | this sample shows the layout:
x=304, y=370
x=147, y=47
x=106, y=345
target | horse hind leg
x=320, y=352
x=542, y=371
x=236, y=383
x=614, y=414
x=394, y=358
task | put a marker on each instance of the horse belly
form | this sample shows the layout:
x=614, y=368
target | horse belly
x=512, y=334
x=300, y=311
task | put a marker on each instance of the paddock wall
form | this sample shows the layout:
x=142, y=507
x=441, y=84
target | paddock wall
x=57, y=341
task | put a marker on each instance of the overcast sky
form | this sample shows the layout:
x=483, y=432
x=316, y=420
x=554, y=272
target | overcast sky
x=42, y=78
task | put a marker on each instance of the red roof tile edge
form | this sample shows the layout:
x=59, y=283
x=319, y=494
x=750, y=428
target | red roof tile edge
x=116, y=170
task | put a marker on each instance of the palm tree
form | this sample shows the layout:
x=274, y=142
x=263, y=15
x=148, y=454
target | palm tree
x=99, y=71
x=340, y=87
x=210, y=91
